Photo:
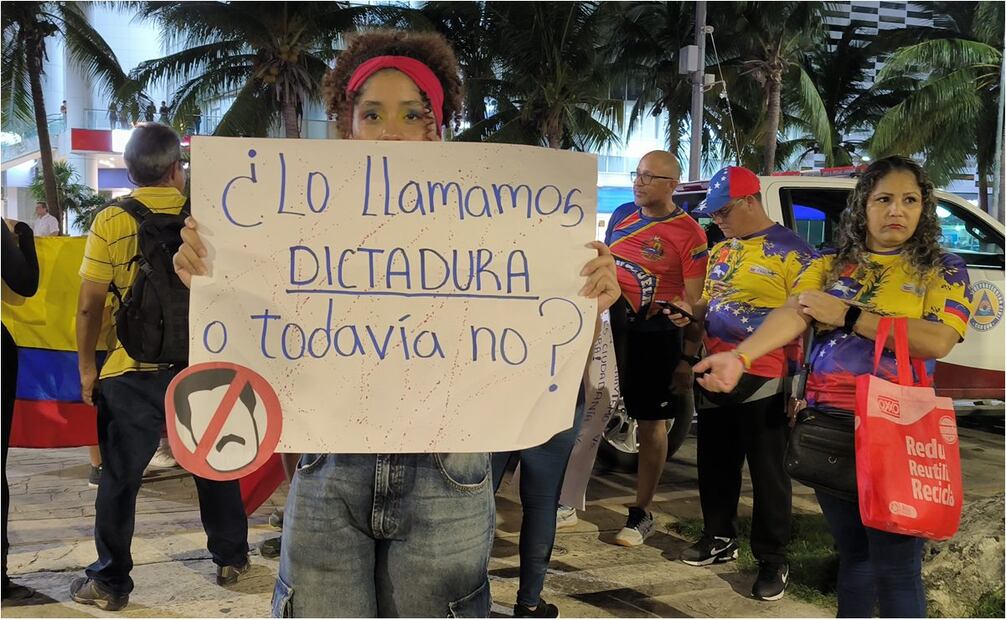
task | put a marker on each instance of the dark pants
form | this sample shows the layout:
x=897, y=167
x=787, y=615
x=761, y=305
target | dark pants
x=647, y=352
x=757, y=431
x=9, y=386
x=542, y=470
x=875, y=567
x=130, y=427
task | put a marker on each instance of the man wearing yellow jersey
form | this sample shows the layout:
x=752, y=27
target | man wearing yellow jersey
x=755, y=270
x=130, y=395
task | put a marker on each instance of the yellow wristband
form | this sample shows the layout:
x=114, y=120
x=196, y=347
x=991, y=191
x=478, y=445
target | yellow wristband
x=744, y=359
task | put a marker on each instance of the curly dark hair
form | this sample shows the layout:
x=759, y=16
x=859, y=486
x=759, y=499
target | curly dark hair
x=922, y=250
x=427, y=47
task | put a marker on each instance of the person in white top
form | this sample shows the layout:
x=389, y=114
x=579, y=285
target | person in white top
x=45, y=224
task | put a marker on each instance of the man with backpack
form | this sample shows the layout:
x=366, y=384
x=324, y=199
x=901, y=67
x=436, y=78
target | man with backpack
x=128, y=253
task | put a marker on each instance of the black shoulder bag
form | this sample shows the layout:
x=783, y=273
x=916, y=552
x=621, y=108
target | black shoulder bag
x=822, y=448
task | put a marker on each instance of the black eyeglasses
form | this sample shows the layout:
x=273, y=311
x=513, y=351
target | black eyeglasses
x=724, y=213
x=645, y=177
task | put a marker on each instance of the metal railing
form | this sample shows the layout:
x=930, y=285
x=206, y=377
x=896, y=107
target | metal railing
x=21, y=138
x=203, y=125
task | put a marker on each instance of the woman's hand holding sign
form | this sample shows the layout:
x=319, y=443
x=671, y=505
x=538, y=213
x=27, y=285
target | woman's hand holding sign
x=189, y=257
x=602, y=280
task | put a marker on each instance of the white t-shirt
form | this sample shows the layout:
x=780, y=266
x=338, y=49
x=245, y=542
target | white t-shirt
x=46, y=226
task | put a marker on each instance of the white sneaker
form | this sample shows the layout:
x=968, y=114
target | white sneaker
x=565, y=516
x=162, y=459
x=638, y=527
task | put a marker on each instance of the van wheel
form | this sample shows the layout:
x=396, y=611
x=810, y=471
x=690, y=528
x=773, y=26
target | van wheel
x=619, y=449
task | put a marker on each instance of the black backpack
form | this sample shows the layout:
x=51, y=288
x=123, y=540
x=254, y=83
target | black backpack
x=152, y=321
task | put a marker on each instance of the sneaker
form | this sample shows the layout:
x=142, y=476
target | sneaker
x=543, y=610
x=710, y=550
x=162, y=459
x=94, y=477
x=270, y=548
x=638, y=528
x=87, y=592
x=228, y=575
x=565, y=516
x=771, y=582
x=276, y=518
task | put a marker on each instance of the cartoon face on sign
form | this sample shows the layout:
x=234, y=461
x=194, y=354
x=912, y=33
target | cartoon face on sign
x=239, y=439
x=223, y=420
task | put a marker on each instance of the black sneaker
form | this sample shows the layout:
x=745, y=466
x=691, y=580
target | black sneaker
x=543, y=610
x=228, y=575
x=771, y=582
x=94, y=477
x=87, y=592
x=270, y=547
x=710, y=550
x=276, y=518
x=638, y=528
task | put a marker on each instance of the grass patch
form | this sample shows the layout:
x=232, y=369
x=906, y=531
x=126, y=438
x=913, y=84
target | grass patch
x=813, y=560
x=989, y=605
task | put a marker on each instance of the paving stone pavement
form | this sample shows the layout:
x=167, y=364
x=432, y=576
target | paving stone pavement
x=52, y=512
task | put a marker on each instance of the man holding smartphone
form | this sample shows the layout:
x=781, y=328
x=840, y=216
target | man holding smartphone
x=661, y=255
x=755, y=270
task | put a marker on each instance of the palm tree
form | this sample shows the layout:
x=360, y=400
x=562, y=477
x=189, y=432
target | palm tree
x=852, y=106
x=765, y=42
x=951, y=114
x=26, y=26
x=645, y=51
x=553, y=81
x=74, y=197
x=270, y=56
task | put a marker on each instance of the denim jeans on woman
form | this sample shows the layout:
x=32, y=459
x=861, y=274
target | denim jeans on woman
x=542, y=470
x=876, y=569
x=387, y=535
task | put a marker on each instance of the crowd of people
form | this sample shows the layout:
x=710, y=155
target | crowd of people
x=411, y=534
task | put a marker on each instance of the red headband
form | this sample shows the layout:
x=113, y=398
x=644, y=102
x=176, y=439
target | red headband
x=421, y=74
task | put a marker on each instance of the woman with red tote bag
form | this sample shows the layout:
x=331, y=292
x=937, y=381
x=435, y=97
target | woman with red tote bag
x=888, y=263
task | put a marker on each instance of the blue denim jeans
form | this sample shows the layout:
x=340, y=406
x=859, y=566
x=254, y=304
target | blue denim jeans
x=542, y=469
x=876, y=569
x=130, y=427
x=387, y=535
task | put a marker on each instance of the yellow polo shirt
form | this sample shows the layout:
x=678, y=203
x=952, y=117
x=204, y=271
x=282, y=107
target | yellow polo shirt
x=108, y=254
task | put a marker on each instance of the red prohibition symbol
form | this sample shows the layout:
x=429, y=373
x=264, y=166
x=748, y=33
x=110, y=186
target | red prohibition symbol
x=223, y=420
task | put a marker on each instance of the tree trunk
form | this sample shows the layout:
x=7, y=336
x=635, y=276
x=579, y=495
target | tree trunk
x=983, y=186
x=774, y=85
x=673, y=137
x=553, y=132
x=290, y=119
x=35, y=52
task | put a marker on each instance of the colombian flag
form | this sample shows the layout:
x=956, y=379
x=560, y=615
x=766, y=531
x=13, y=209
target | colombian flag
x=48, y=412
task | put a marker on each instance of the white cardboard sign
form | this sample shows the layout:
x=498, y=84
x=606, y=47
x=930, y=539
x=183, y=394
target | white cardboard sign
x=398, y=296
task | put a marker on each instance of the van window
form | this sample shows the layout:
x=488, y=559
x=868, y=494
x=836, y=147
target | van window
x=968, y=237
x=813, y=213
x=688, y=201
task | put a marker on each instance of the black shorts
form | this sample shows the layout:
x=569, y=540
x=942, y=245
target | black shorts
x=646, y=352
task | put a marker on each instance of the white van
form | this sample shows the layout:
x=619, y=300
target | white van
x=973, y=373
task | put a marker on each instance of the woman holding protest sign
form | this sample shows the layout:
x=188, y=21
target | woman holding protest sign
x=888, y=264
x=391, y=534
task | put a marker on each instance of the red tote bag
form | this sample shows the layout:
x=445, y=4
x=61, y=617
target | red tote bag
x=908, y=463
